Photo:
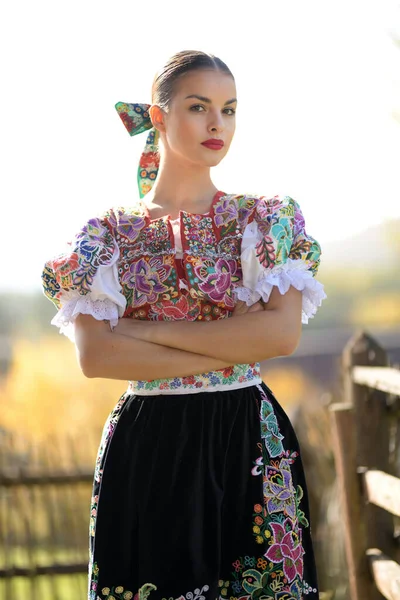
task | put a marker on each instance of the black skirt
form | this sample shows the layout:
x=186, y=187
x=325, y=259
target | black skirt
x=200, y=496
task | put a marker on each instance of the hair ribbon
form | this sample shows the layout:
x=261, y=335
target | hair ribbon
x=136, y=119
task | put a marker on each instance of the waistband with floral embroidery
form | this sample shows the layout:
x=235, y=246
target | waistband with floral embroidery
x=230, y=378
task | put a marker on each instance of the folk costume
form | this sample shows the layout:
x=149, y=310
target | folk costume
x=199, y=490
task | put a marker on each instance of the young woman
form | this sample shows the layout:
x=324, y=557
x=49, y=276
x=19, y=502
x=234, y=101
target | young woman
x=199, y=491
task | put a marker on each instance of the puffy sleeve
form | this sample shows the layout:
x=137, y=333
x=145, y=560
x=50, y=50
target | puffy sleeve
x=277, y=251
x=84, y=278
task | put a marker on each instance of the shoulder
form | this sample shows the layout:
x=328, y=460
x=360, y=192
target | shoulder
x=91, y=246
x=98, y=239
x=92, y=241
x=254, y=201
x=86, y=266
x=108, y=227
x=277, y=222
x=280, y=210
x=247, y=208
x=125, y=222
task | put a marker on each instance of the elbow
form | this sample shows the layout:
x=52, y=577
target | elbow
x=284, y=344
x=289, y=344
x=87, y=363
x=288, y=349
x=290, y=333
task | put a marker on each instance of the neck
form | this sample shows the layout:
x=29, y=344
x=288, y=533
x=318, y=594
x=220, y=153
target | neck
x=181, y=186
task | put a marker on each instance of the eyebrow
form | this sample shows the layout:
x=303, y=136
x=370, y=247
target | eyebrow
x=204, y=99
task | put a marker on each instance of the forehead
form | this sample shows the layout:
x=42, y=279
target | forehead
x=215, y=85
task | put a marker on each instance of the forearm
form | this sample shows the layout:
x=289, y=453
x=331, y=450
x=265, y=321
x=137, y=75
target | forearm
x=240, y=339
x=116, y=356
x=252, y=337
x=249, y=338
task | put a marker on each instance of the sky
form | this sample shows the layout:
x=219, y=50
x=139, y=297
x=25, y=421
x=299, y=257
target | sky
x=318, y=83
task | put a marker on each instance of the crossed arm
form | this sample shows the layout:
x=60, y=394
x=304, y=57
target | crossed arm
x=160, y=349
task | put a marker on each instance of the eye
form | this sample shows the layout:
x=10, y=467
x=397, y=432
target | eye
x=229, y=111
x=197, y=108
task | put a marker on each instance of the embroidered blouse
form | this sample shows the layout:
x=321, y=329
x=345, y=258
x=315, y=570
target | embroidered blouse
x=125, y=264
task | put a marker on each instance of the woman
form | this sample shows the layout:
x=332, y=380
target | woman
x=199, y=490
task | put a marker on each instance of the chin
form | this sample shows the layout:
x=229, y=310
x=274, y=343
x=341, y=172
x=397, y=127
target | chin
x=213, y=161
x=216, y=162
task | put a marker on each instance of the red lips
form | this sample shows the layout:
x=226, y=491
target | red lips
x=213, y=144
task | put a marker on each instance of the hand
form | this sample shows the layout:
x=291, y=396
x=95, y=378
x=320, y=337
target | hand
x=241, y=308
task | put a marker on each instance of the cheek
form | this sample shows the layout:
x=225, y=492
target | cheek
x=232, y=127
x=230, y=131
x=185, y=132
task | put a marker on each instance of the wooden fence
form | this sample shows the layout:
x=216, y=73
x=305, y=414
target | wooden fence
x=366, y=439
x=45, y=492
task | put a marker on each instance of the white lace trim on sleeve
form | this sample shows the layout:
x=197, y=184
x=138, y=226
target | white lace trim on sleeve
x=99, y=309
x=293, y=272
x=259, y=281
x=104, y=301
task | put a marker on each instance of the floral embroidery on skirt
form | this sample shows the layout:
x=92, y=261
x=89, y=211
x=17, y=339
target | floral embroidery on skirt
x=198, y=497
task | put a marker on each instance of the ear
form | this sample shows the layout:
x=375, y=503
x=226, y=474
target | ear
x=157, y=116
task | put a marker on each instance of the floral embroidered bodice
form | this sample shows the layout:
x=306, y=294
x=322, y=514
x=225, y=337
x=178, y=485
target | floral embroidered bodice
x=125, y=264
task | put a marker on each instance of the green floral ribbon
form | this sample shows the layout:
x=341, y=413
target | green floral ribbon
x=136, y=119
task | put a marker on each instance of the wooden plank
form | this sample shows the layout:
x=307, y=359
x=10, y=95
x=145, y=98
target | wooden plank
x=11, y=477
x=52, y=509
x=5, y=515
x=344, y=446
x=59, y=569
x=372, y=432
x=385, y=379
x=386, y=574
x=69, y=447
x=30, y=520
x=383, y=490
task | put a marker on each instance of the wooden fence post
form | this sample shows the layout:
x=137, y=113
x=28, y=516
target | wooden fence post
x=372, y=437
x=372, y=431
x=344, y=444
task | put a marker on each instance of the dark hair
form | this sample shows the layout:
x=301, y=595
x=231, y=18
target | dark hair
x=179, y=64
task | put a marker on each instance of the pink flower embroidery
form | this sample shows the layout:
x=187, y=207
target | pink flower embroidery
x=238, y=565
x=287, y=548
x=94, y=232
x=146, y=280
x=230, y=208
x=226, y=210
x=128, y=226
x=267, y=213
x=217, y=279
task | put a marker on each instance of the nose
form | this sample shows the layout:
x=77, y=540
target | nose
x=216, y=123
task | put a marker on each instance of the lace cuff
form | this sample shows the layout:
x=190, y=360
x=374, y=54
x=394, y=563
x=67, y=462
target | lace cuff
x=75, y=304
x=293, y=272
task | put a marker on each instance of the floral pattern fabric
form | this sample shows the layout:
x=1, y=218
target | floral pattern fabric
x=124, y=264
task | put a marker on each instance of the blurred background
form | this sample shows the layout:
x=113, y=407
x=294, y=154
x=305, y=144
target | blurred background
x=318, y=119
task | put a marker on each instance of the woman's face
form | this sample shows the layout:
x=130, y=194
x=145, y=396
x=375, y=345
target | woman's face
x=202, y=109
